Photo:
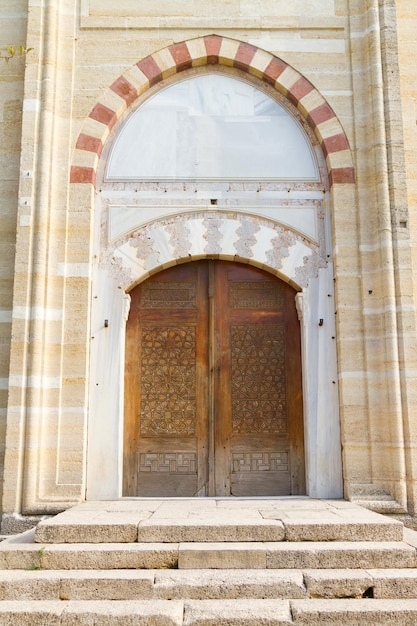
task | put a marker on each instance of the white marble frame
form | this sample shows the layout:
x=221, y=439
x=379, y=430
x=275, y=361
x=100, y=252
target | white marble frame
x=271, y=246
x=192, y=228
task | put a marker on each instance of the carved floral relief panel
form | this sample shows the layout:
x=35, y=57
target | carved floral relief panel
x=168, y=374
x=258, y=378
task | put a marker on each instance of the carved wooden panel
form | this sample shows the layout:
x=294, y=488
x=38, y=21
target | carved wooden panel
x=256, y=295
x=168, y=462
x=213, y=387
x=166, y=295
x=168, y=375
x=258, y=379
x=260, y=461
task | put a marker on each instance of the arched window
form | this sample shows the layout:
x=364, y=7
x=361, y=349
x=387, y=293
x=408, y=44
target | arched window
x=211, y=127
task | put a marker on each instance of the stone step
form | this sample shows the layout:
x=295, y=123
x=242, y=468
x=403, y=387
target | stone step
x=150, y=584
x=240, y=612
x=232, y=555
x=368, y=583
x=353, y=612
x=296, y=555
x=207, y=584
x=211, y=562
x=31, y=556
x=207, y=521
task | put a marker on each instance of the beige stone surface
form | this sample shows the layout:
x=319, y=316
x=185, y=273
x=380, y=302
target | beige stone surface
x=108, y=613
x=211, y=530
x=134, y=613
x=87, y=556
x=12, y=29
x=211, y=612
x=348, y=52
x=229, y=584
x=240, y=583
x=243, y=612
x=337, y=583
x=38, y=584
x=29, y=612
x=110, y=556
x=149, y=584
x=19, y=556
x=345, y=612
x=29, y=585
x=333, y=525
x=90, y=527
x=394, y=583
x=108, y=585
x=208, y=520
x=222, y=556
x=338, y=555
x=77, y=585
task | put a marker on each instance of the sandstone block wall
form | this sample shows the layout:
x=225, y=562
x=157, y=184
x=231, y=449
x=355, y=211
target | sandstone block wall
x=13, y=27
x=348, y=52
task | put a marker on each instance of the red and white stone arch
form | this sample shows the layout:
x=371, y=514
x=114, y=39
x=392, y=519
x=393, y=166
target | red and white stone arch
x=204, y=51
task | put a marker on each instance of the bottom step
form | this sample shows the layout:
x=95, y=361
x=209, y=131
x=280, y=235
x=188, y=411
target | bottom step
x=210, y=613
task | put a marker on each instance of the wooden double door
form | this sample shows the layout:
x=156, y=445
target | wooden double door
x=213, y=402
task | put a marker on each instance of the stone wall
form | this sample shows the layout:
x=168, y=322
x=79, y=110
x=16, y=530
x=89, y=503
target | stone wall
x=407, y=50
x=348, y=52
x=13, y=22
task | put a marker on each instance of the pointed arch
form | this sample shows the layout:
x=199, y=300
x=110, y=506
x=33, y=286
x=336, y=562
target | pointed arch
x=204, y=51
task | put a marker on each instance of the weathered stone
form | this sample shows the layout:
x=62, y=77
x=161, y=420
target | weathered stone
x=337, y=583
x=394, y=583
x=348, y=612
x=90, y=527
x=55, y=385
x=239, y=613
x=349, y=530
x=229, y=584
x=322, y=555
x=222, y=556
x=29, y=585
x=238, y=583
x=107, y=585
x=110, y=556
x=131, y=613
x=105, y=613
x=209, y=531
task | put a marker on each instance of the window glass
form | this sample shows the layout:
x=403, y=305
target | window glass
x=211, y=127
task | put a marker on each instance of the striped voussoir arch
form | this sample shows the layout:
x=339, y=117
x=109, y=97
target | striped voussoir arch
x=211, y=50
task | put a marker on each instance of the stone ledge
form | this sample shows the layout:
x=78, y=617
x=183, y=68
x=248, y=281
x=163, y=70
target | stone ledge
x=208, y=520
x=207, y=584
x=349, y=612
x=211, y=612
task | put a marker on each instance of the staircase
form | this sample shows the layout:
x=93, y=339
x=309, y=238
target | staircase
x=293, y=561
